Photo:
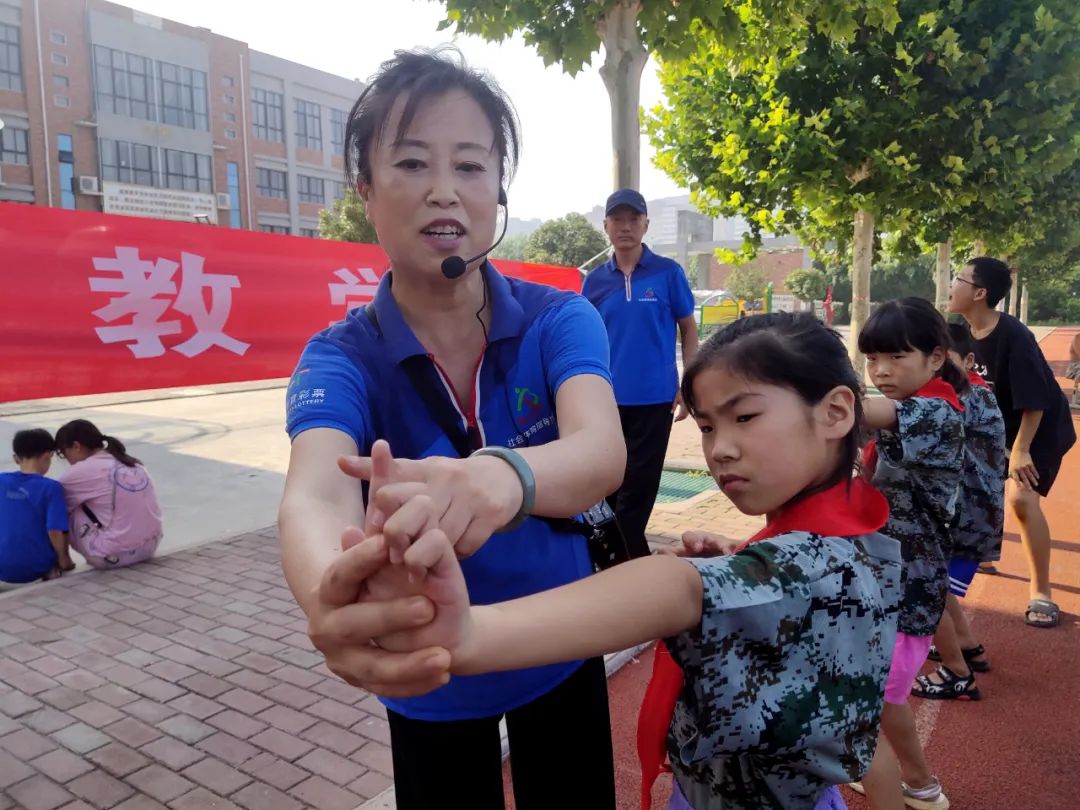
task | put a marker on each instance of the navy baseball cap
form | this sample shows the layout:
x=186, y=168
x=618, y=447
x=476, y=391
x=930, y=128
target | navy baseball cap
x=626, y=196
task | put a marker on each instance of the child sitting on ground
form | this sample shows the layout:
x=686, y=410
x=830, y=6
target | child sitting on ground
x=33, y=518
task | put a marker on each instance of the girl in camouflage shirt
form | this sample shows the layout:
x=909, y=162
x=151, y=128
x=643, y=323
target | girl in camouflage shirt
x=916, y=461
x=784, y=646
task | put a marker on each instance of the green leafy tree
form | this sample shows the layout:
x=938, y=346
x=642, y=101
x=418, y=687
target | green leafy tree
x=747, y=282
x=569, y=241
x=808, y=285
x=511, y=248
x=903, y=128
x=571, y=32
x=346, y=221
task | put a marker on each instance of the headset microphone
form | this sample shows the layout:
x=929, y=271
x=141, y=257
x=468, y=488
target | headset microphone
x=455, y=266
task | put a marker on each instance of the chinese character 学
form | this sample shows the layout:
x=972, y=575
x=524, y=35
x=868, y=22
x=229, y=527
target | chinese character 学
x=352, y=290
x=146, y=289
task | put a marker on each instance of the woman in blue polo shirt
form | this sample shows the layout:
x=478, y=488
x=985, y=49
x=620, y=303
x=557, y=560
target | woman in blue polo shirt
x=495, y=396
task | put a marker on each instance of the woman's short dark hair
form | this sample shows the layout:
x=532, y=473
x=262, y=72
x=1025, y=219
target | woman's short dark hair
x=87, y=434
x=993, y=275
x=32, y=442
x=418, y=76
x=911, y=325
x=790, y=350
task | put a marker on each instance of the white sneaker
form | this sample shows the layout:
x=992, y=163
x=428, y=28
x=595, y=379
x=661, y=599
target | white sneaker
x=931, y=797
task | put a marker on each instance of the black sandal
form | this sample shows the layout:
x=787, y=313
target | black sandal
x=971, y=657
x=952, y=686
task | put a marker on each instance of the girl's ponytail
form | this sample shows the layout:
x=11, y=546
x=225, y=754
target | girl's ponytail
x=116, y=449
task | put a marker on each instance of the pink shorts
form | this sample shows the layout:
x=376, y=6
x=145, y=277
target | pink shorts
x=909, y=653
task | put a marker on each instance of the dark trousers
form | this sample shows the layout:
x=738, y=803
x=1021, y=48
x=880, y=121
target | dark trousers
x=646, y=429
x=559, y=742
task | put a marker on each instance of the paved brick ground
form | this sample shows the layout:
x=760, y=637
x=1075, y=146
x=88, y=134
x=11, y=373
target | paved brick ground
x=186, y=682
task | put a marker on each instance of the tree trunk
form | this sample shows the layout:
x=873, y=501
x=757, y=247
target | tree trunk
x=1014, y=291
x=979, y=249
x=624, y=59
x=943, y=277
x=862, y=255
x=1024, y=304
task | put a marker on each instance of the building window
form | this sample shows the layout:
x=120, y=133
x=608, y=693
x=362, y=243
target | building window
x=123, y=83
x=228, y=98
x=310, y=189
x=268, y=115
x=271, y=183
x=125, y=162
x=13, y=146
x=66, y=154
x=187, y=171
x=310, y=233
x=230, y=117
x=57, y=38
x=337, y=188
x=226, y=81
x=10, y=58
x=281, y=229
x=233, y=171
x=60, y=82
x=183, y=96
x=61, y=101
x=308, y=125
x=230, y=134
x=337, y=128
x=58, y=58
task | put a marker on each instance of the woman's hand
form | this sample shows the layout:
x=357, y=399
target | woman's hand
x=698, y=543
x=343, y=621
x=467, y=499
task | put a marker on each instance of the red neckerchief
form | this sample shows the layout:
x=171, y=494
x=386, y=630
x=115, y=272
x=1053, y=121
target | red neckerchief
x=976, y=379
x=840, y=511
x=937, y=388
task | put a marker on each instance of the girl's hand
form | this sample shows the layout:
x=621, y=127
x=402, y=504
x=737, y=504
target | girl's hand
x=434, y=571
x=698, y=543
x=343, y=620
x=467, y=499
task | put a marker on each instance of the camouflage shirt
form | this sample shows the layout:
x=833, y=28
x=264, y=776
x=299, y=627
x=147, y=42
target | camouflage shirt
x=982, y=489
x=918, y=471
x=784, y=677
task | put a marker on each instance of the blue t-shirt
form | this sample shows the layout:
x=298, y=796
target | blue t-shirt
x=641, y=312
x=30, y=507
x=351, y=378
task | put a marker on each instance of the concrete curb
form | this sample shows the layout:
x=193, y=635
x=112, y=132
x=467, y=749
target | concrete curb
x=53, y=405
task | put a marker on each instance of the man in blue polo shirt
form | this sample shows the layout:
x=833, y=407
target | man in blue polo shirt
x=642, y=297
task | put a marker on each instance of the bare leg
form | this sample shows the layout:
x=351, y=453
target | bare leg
x=898, y=723
x=965, y=636
x=1035, y=534
x=882, y=781
x=948, y=646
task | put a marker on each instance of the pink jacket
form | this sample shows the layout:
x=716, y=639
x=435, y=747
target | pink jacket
x=122, y=499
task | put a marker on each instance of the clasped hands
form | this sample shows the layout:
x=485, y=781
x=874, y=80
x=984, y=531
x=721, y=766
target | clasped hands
x=391, y=612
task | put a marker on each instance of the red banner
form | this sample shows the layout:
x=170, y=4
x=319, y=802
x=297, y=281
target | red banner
x=95, y=303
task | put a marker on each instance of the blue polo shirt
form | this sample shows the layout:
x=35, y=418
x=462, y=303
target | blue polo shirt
x=350, y=378
x=641, y=313
x=30, y=507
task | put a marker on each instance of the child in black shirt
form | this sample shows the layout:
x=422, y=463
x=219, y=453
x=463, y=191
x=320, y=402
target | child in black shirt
x=1038, y=425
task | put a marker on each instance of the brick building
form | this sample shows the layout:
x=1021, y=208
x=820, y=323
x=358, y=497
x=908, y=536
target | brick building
x=777, y=264
x=105, y=108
